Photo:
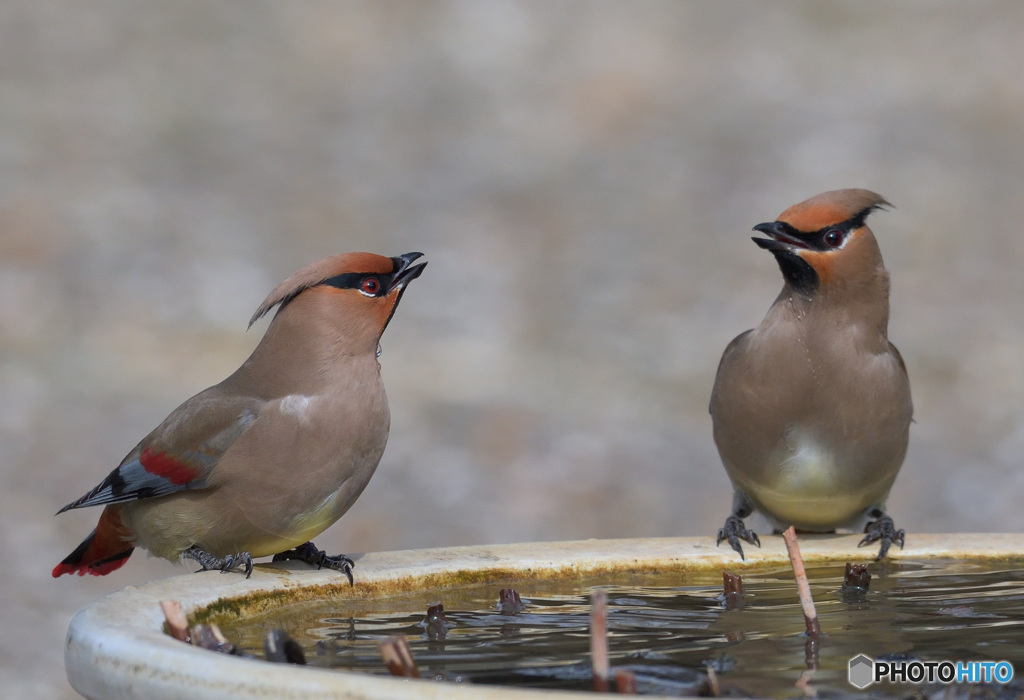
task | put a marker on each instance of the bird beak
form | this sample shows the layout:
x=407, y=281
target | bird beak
x=779, y=239
x=404, y=274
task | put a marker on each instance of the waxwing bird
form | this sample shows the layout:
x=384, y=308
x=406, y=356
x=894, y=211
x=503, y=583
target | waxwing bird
x=811, y=409
x=273, y=455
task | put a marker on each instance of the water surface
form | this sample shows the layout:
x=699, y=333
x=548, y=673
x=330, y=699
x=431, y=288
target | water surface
x=668, y=634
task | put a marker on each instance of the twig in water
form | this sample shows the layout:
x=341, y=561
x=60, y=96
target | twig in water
x=810, y=614
x=625, y=682
x=599, y=640
x=712, y=687
x=177, y=623
x=281, y=648
x=804, y=683
x=732, y=591
x=436, y=622
x=210, y=637
x=509, y=601
x=732, y=584
x=398, y=658
x=802, y=585
x=856, y=578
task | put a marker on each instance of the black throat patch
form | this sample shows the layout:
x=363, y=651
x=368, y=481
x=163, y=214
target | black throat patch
x=800, y=275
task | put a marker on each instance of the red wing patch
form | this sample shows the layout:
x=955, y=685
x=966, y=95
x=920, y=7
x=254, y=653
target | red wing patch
x=156, y=472
x=164, y=465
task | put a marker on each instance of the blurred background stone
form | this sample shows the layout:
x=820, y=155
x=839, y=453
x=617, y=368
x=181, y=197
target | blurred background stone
x=583, y=177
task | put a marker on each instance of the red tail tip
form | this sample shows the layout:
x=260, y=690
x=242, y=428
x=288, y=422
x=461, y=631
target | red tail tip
x=98, y=568
x=105, y=549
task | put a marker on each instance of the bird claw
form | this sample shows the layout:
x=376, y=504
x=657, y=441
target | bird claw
x=209, y=562
x=734, y=530
x=308, y=553
x=883, y=529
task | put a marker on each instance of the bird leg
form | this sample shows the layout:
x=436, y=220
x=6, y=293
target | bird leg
x=734, y=530
x=881, y=529
x=309, y=553
x=210, y=562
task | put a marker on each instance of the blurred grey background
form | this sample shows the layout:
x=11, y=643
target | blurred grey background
x=583, y=177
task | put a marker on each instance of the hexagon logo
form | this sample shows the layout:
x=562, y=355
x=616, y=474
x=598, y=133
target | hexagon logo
x=862, y=671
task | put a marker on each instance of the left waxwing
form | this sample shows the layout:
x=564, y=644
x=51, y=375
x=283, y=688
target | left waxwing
x=811, y=409
x=272, y=456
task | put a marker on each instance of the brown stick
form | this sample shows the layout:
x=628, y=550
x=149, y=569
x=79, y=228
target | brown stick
x=437, y=623
x=398, y=658
x=599, y=640
x=804, y=683
x=856, y=578
x=625, y=682
x=713, y=688
x=177, y=623
x=802, y=585
x=279, y=647
x=210, y=637
x=509, y=601
x=732, y=584
x=732, y=591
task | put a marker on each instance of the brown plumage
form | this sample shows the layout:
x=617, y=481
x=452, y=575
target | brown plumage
x=812, y=409
x=269, y=458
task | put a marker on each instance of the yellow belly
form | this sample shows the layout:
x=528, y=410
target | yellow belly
x=811, y=490
x=167, y=526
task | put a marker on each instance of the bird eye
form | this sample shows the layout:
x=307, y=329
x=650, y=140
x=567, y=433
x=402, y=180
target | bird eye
x=834, y=237
x=370, y=286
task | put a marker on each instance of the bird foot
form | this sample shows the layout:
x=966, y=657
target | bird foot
x=884, y=530
x=734, y=530
x=309, y=553
x=210, y=562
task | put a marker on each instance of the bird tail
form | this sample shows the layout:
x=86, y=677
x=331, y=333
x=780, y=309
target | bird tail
x=103, y=551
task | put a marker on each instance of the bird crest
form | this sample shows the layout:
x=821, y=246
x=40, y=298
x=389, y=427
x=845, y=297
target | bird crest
x=832, y=208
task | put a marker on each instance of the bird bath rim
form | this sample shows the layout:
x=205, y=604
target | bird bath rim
x=116, y=647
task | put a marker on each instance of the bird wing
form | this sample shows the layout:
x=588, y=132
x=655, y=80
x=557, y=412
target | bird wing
x=899, y=357
x=180, y=453
x=727, y=356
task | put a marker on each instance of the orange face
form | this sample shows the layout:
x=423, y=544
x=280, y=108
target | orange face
x=823, y=242
x=370, y=284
